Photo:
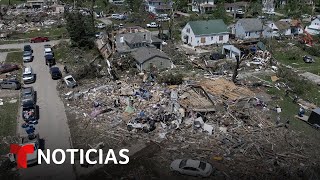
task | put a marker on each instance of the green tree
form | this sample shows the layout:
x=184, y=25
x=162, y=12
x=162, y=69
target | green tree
x=134, y=5
x=80, y=29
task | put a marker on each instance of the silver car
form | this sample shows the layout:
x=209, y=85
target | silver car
x=27, y=56
x=28, y=75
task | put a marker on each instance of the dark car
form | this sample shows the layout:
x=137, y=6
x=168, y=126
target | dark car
x=39, y=39
x=27, y=48
x=50, y=60
x=4, y=68
x=308, y=59
x=28, y=95
x=10, y=84
x=217, y=56
x=55, y=73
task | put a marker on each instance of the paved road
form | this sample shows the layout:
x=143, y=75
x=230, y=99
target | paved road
x=52, y=127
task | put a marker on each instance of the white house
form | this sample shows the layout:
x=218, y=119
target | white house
x=206, y=32
x=202, y=6
x=314, y=27
x=275, y=29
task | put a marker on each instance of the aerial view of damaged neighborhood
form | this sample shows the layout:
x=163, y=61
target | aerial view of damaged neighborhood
x=190, y=89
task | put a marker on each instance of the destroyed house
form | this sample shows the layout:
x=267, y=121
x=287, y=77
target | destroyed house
x=129, y=42
x=147, y=58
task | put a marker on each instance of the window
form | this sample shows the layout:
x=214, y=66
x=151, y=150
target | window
x=246, y=34
x=220, y=38
x=202, y=165
x=203, y=40
x=191, y=39
x=188, y=30
x=183, y=163
x=249, y=33
x=211, y=38
x=161, y=63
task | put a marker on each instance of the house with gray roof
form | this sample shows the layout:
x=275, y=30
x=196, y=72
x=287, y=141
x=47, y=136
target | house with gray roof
x=248, y=28
x=206, y=32
x=128, y=42
x=147, y=58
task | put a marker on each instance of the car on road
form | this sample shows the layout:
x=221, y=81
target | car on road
x=27, y=48
x=39, y=39
x=28, y=94
x=48, y=50
x=55, y=73
x=28, y=76
x=47, y=46
x=100, y=26
x=10, y=84
x=50, y=60
x=27, y=56
x=308, y=59
x=191, y=167
x=29, y=111
x=153, y=25
x=5, y=68
x=70, y=81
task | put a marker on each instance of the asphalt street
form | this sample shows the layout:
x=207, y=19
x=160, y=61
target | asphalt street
x=53, y=127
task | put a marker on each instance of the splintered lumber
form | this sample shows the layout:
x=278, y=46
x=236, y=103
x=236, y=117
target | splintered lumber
x=225, y=89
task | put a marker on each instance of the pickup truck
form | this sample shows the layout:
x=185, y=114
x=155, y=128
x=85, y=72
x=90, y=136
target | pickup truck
x=153, y=25
x=29, y=111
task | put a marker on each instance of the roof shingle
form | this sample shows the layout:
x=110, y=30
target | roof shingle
x=144, y=53
x=208, y=27
x=251, y=24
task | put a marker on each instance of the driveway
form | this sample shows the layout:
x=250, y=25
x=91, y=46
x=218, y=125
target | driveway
x=52, y=127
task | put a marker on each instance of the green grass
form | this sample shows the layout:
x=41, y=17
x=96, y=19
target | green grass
x=15, y=58
x=52, y=33
x=9, y=50
x=6, y=2
x=8, y=120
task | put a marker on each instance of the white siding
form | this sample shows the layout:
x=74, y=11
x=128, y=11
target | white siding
x=209, y=40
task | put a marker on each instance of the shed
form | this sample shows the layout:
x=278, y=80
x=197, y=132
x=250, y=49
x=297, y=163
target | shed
x=314, y=117
x=231, y=51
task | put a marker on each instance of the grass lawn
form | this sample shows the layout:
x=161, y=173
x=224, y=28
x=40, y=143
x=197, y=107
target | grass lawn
x=6, y=2
x=9, y=111
x=9, y=50
x=52, y=33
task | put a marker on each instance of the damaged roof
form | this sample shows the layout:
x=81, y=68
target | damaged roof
x=282, y=25
x=143, y=54
x=250, y=24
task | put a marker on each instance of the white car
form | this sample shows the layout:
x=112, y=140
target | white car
x=28, y=76
x=47, y=51
x=152, y=25
x=101, y=26
x=115, y=16
x=191, y=167
x=70, y=81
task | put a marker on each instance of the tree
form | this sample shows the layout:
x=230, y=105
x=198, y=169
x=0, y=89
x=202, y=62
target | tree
x=134, y=5
x=80, y=29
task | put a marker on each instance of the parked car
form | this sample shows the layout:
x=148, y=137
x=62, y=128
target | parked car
x=29, y=111
x=100, y=26
x=121, y=25
x=28, y=94
x=28, y=76
x=47, y=46
x=50, y=60
x=27, y=48
x=55, y=73
x=99, y=34
x=5, y=68
x=191, y=167
x=70, y=81
x=27, y=56
x=32, y=158
x=153, y=25
x=39, y=39
x=10, y=84
x=308, y=59
x=48, y=50
x=217, y=56
x=115, y=16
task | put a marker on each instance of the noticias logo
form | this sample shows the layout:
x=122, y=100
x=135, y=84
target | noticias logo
x=27, y=154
